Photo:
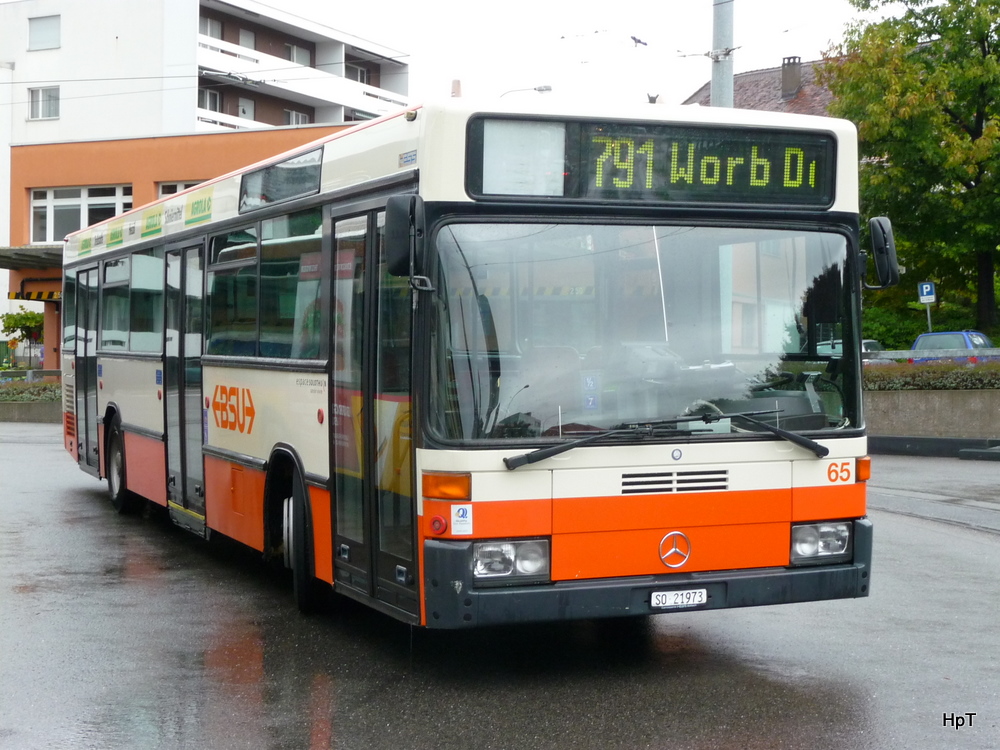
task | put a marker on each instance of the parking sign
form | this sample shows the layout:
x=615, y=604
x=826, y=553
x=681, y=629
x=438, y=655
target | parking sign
x=925, y=289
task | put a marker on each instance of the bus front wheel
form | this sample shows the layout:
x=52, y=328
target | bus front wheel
x=298, y=549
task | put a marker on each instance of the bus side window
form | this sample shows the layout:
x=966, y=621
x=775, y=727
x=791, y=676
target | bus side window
x=290, y=286
x=232, y=293
x=114, y=305
x=232, y=321
x=395, y=304
x=69, y=312
x=146, y=307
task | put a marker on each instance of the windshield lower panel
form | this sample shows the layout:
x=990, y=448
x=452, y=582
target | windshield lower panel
x=557, y=330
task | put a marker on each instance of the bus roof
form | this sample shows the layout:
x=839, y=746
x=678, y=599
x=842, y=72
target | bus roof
x=431, y=137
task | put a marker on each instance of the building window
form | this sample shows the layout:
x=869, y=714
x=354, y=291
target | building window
x=209, y=99
x=357, y=115
x=55, y=212
x=210, y=27
x=248, y=39
x=299, y=55
x=43, y=103
x=246, y=109
x=296, y=118
x=357, y=73
x=172, y=188
x=43, y=33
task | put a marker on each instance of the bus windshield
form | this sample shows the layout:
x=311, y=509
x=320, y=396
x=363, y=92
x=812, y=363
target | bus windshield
x=545, y=330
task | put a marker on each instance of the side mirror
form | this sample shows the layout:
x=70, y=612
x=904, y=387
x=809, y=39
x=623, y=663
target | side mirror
x=404, y=235
x=883, y=253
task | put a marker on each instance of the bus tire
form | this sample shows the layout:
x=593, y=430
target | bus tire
x=298, y=548
x=122, y=500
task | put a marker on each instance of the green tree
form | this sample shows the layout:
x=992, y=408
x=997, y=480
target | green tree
x=25, y=324
x=924, y=89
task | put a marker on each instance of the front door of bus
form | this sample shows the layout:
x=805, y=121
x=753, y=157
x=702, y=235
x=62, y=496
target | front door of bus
x=182, y=386
x=374, y=541
x=85, y=371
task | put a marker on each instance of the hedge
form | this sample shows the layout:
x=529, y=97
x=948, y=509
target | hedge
x=903, y=376
x=21, y=391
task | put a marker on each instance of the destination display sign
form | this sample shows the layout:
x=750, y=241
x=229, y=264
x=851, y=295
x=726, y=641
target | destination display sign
x=652, y=162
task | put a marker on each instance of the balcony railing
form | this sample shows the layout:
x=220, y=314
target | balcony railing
x=285, y=79
x=210, y=121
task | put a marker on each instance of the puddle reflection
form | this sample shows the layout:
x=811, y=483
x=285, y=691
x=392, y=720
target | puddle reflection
x=187, y=644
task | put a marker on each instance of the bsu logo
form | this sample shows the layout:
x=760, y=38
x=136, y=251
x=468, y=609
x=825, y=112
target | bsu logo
x=233, y=409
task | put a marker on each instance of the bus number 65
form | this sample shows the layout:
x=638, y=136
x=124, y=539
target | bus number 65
x=839, y=472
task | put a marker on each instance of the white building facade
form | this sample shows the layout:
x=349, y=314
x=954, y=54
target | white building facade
x=74, y=70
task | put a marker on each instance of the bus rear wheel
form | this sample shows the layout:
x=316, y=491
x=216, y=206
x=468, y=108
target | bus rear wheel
x=122, y=500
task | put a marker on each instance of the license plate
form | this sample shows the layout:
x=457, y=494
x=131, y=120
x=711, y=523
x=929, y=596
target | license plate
x=685, y=598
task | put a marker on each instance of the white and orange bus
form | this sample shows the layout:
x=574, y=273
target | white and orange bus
x=482, y=365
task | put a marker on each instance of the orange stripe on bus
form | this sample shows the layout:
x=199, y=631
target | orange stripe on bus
x=637, y=553
x=606, y=537
x=234, y=501
x=594, y=514
x=501, y=518
x=146, y=467
x=322, y=526
x=829, y=502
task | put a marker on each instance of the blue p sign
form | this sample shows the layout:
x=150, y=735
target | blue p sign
x=925, y=290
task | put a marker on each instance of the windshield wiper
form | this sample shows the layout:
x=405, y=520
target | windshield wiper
x=647, y=429
x=791, y=437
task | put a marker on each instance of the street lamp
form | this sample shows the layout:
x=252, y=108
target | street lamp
x=539, y=89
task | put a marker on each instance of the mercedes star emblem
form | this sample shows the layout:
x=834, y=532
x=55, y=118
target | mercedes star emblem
x=675, y=549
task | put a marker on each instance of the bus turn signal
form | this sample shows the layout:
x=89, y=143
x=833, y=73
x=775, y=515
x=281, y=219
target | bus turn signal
x=446, y=485
x=864, y=470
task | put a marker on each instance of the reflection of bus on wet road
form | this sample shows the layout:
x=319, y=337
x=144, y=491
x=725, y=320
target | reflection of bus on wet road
x=486, y=366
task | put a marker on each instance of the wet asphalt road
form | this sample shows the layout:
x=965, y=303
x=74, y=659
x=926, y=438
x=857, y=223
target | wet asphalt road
x=123, y=632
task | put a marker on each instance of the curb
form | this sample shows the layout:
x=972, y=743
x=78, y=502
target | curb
x=977, y=449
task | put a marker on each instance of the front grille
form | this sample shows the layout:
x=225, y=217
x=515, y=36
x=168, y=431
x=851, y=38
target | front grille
x=652, y=483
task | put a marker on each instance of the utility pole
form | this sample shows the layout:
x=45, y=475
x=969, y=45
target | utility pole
x=722, y=53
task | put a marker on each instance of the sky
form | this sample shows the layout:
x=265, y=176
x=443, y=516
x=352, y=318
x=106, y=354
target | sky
x=582, y=48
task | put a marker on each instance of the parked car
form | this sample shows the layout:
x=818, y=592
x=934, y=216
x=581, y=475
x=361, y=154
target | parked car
x=951, y=341
x=837, y=346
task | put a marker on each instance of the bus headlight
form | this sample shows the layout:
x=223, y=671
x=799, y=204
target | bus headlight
x=510, y=562
x=824, y=542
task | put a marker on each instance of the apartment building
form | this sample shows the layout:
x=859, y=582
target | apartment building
x=85, y=75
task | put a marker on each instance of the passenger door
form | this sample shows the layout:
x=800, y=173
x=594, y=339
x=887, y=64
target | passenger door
x=184, y=411
x=85, y=367
x=374, y=522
